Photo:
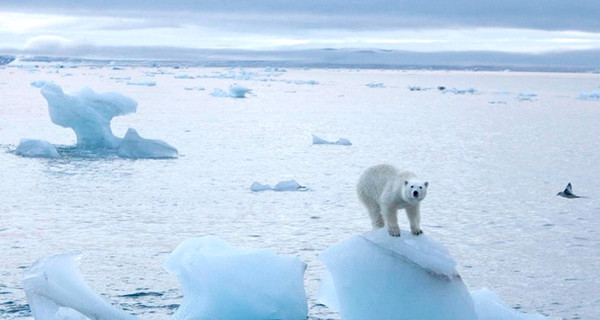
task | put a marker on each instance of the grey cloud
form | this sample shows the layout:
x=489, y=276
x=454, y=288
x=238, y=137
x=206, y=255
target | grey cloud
x=340, y=14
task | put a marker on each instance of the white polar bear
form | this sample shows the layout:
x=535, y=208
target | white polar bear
x=383, y=190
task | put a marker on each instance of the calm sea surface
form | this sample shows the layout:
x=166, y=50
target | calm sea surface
x=495, y=157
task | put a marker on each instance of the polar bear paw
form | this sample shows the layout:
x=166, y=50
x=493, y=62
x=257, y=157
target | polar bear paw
x=394, y=231
x=417, y=232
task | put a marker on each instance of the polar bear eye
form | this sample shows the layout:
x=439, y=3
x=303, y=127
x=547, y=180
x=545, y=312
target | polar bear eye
x=420, y=187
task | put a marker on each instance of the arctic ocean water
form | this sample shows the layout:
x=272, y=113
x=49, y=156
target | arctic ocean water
x=495, y=157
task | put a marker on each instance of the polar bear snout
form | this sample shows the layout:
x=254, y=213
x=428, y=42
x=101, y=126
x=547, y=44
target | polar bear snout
x=416, y=194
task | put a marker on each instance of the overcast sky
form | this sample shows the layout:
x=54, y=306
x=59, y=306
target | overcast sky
x=81, y=27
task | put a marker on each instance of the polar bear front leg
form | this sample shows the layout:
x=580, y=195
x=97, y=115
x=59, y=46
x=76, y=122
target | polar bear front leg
x=391, y=219
x=414, y=216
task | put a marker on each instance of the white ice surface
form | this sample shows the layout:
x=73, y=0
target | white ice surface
x=220, y=281
x=88, y=113
x=54, y=283
x=374, y=276
x=378, y=277
x=341, y=141
x=36, y=149
x=135, y=147
x=286, y=185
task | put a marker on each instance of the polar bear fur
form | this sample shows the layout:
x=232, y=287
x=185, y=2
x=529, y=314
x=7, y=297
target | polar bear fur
x=384, y=190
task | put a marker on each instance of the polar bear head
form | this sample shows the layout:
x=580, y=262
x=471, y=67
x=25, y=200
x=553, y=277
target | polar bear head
x=415, y=191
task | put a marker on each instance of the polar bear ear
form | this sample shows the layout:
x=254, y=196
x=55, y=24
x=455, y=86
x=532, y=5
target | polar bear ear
x=426, y=183
x=405, y=182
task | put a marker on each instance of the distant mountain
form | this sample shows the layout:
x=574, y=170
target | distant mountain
x=6, y=60
x=569, y=61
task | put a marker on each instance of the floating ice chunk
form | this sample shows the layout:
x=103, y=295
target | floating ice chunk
x=341, y=141
x=459, y=91
x=287, y=185
x=38, y=83
x=220, y=281
x=55, y=289
x=375, y=85
x=88, y=113
x=219, y=93
x=142, y=83
x=257, y=187
x=526, y=96
x=594, y=95
x=235, y=91
x=489, y=307
x=135, y=147
x=184, y=76
x=377, y=277
x=36, y=149
x=194, y=88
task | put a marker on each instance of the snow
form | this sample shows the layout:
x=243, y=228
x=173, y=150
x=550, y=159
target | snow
x=133, y=146
x=56, y=289
x=286, y=185
x=88, y=113
x=36, y=149
x=223, y=282
x=340, y=142
x=375, y=276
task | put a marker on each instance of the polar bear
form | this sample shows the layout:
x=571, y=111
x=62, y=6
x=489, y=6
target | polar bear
x=384, y=190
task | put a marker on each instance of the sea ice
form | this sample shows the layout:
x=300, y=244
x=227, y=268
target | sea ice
x=38, y=83
x=373, y=276
x=287, y=185
x=594, y=95
x=36, y=149
x=88, y=113
x=55, y=289
x=459, y=91
x=142, y=83
x=235, y=91
x=133, y=146
x=341, y=141
x=223, y=282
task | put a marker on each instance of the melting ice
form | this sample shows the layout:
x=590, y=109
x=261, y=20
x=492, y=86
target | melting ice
x=89, y=114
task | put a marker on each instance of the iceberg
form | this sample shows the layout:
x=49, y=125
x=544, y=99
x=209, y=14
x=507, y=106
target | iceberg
x=340, y=142
x=223, y=282
x=135, y=147
x=287, y=185
x=373, y=276
x=36, y=149
x=54, y=287
x=88, y=113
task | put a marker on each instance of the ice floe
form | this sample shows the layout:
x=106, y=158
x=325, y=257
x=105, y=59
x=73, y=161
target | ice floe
x=373, y=276
x=89, y=114
x=36, y=149
x=55, y=287
x=340, y=142
x=135, y=147
x=235, y=91
x=220, y=281
x=286, y=185
x=594, y=95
